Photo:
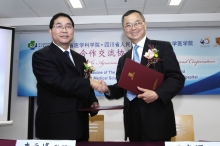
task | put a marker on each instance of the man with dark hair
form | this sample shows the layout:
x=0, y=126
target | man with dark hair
x=62, y=86
x=148, y=117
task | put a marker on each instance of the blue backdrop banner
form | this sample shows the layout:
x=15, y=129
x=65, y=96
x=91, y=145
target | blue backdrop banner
x=197, y=52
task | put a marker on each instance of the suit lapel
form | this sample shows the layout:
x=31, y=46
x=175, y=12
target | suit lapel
x=76, y=60
x=148, y=42
x=62, y=56
x=144, y=60
x=128, y=55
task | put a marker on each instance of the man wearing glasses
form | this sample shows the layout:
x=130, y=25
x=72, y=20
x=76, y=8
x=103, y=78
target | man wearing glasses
x=62, y=86
x=148, y=117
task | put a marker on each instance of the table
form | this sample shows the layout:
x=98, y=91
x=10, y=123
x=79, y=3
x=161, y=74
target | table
x=4, y=142
x=120, y=144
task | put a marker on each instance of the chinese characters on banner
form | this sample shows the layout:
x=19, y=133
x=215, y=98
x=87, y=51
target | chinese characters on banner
x=197, y=52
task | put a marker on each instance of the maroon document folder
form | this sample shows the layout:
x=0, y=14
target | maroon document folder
x=115, y=107
x=135, y=74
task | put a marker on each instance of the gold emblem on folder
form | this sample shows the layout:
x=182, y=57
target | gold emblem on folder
x=131, y=75
x=155, y=84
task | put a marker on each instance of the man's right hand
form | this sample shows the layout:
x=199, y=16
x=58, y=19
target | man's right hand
x=99, y=85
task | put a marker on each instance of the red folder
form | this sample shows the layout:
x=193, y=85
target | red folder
x=135, y=74
x=114, y=107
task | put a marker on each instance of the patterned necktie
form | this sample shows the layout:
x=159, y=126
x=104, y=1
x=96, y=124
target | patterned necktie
x=131, y=95
x=67, y=54
x=136, y=56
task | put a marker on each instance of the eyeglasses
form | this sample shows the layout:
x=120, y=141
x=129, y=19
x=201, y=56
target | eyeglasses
x=61, y=27
x=137, y=24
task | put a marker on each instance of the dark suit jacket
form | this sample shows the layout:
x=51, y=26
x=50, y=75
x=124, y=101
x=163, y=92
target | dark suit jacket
x=61, y=91
x=158, y=117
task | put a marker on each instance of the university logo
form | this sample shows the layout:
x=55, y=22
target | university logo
x=217, y=40
x=32, y=45
x=205, y=41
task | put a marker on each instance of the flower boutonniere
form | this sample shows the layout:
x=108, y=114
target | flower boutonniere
x=88, y=69
x=152, y=55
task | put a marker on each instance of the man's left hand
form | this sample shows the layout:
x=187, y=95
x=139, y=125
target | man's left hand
x=148, y=96
x=95, y=104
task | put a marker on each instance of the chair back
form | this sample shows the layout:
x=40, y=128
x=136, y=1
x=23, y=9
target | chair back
x=184, y=128
x=96, y=128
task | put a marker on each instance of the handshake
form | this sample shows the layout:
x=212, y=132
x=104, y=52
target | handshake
x=147, y=95
x=99, y=85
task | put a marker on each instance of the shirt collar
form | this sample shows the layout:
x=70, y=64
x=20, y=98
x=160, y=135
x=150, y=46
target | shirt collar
x=141, y=43
x=62, y=48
